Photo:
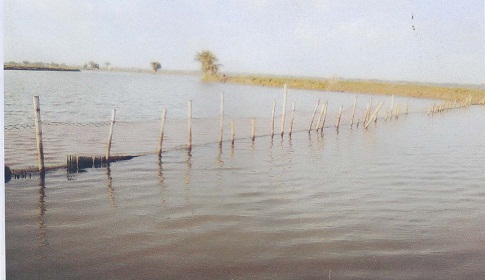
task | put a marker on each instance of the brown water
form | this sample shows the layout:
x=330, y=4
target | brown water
x=403, y=200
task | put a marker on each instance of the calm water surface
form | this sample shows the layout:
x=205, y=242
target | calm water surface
x=402, y=200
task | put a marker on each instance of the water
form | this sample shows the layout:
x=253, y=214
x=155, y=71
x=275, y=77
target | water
x=403, y=200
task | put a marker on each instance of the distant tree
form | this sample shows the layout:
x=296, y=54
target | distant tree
x=108, y=64
x=208, y=63
x=93, y=65
x=155, y=66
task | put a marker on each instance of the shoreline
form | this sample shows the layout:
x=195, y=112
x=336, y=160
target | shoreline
x=39, y=68
x=359, y=87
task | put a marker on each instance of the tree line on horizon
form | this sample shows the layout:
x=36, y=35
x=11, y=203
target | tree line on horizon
x=208, y=60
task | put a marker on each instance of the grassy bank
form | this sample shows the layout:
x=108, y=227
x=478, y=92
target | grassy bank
x=366, y=87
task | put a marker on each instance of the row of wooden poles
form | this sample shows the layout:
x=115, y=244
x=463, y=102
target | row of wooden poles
x=448, y=105
x=367, y=119
x=40, y=147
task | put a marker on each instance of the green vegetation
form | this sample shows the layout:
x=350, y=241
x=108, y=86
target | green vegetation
x=209, y=65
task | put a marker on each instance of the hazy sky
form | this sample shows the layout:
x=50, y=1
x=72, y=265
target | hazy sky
x=414, y=40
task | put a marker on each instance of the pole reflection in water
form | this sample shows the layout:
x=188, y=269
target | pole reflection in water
x=231, y=152
x=187, y=177
x=220, y=164
x=111, y=191
x=42, y=209
x=161, y=177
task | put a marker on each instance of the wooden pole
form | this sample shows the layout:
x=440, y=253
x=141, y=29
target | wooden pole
x=376, y=115
x=367, y=112
x=38, y=135
x=292, y=117
x=370, y=109
x=272, y=118
x=232, y=132
x=373, y=115
x=189, y=126
x=392, y=105
x=397, y=111
x=353, y=111
x=339, y=116
x=253, y=129
x=324, y=115
x=110, y=136
x=319, y=122
x=162, y=127
x=313, y=115
x=284, y=110
x=221, y=121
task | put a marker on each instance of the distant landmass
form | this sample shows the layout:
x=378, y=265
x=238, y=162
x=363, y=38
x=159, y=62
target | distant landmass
x=38, y=67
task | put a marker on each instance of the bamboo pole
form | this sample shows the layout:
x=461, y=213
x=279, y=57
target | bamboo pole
x=162, y=128
x=272, y=118
x=292, y=117
x=337, y=125
x=353, y=111
x=320, y=116
x=392, y=106
x=407, y=108
x=324, y=115
x=285, y=87
x=221, y=121
x=253, y=129
x=397, y=111
x=38, y=135
x=373, y=115
x=189, y=126
x=370, y=108
x=367, y=111
x=313, y=115
x=232, y=132
x=376, y=115
x=110, y=136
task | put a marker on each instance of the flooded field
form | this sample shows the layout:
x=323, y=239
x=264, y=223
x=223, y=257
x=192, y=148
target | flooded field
x=402, y=200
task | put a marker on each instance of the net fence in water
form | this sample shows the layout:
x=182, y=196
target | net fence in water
x=135, y=138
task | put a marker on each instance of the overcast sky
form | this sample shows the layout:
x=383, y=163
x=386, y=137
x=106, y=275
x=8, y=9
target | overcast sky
x=413, y=40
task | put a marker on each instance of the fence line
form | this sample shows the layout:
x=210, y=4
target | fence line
x=349, y=112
